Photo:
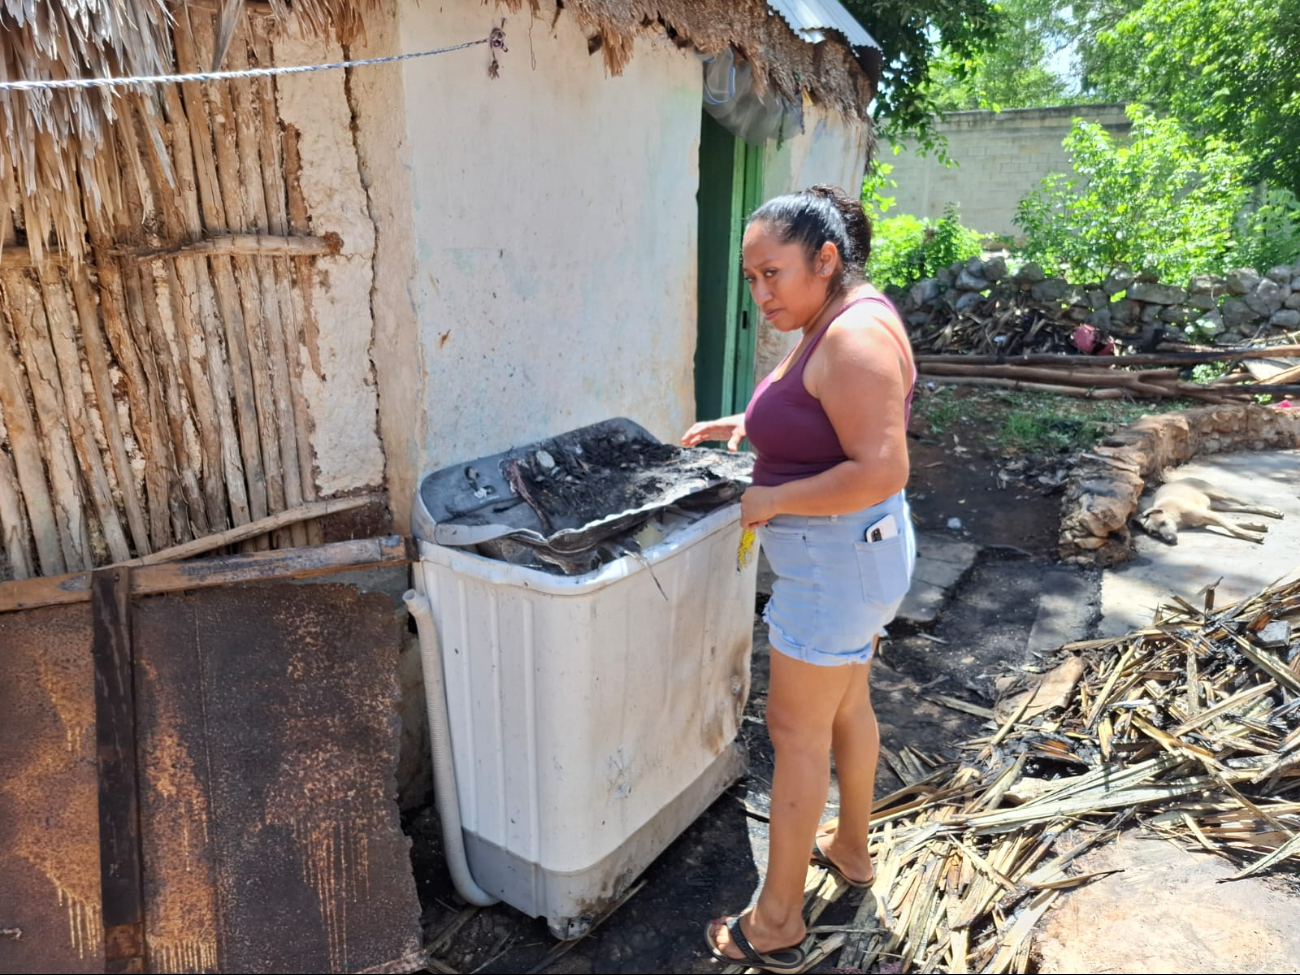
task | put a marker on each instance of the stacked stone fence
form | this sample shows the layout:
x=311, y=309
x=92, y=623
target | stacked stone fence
x=1231, y=308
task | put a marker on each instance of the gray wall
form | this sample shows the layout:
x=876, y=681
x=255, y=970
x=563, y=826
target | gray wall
x=1000, y=157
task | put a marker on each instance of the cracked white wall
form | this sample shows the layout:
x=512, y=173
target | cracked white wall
x=341, y=393
x=555, y=221
x=519, y=254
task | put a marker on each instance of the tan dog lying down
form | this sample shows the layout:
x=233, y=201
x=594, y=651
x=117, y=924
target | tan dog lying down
x=1193, y=503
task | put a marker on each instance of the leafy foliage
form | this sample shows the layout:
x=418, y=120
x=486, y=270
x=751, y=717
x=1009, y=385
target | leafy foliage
x=1162, y=201
x=1222, y=67
x=905, y=248
x=913, y=33
x=1267, y=230
x=1016, y=71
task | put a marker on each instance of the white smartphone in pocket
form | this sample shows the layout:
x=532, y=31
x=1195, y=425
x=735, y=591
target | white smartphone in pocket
x=886, y=527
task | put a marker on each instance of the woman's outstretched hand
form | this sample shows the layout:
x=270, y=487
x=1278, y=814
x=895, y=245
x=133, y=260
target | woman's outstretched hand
x=729, y=428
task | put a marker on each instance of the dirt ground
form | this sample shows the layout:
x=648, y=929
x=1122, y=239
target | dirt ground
x=987, y=629
x=715, y=866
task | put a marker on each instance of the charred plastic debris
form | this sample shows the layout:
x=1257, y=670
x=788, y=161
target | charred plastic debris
x=573, y=503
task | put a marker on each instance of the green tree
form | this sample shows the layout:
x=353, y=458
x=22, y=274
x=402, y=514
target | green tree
x=1016, y=71
x=1161, y=200
x=915, y=36
x=1222, y=67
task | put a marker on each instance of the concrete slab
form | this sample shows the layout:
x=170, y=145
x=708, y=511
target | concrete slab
x=1131, y=592
x=1169, y=911
x=1068, y=599
x=940, y=564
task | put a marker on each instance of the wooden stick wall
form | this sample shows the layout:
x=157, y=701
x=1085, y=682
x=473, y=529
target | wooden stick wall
x=153, y=393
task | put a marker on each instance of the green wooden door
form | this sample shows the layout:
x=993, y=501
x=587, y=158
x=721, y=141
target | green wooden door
x=731, y=188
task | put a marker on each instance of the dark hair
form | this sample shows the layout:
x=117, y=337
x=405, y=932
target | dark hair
x=819, y=214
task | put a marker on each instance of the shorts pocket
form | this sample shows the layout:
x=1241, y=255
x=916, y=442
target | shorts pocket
x=884, y=570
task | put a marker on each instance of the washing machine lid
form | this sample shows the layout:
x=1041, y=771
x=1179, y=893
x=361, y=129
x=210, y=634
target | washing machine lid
x=570, y=493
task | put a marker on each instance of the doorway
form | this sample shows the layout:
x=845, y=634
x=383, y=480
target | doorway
x=731, y=188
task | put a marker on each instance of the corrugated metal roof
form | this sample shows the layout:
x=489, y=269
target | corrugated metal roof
x=811, y=18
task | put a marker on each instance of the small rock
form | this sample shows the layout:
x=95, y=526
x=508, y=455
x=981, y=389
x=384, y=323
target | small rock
x=1294, y=300
x=1099, y=318
x=995, y=269
x=1157, y=294
x=1117, y=281
x=1266, y=298
x=1295, y=284
x=1236, y=312
x=545, y=459
x=1211, y=321
x=1031, y=273
x=1287, y=318
x=1202, y=300
x=1281, y=274
x=954, y=524
x=967, y=280
x=918, y=318
x=975, y=265
x=1241, y=281
x=968, y=299
x=1178, y=314
x=1150, y=313
x=924, y=291
x=945, y=277
x=1122, y=310
x=1096, y=298
x=1052, y=289
x=1204, y=284
x=1146, y=276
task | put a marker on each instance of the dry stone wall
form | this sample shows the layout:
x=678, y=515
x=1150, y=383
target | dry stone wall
x=1231, y=308
x=1102, y=492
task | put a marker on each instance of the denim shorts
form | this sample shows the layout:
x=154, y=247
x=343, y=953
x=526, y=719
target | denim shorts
x=834, y=591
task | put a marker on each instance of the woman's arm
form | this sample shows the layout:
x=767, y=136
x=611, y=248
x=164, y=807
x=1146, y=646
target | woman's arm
x=861, y=387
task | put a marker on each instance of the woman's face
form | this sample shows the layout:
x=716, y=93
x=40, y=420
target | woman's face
x=786, y=287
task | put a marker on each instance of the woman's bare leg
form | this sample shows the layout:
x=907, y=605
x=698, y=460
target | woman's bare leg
x=802, y=705
x=855, y=738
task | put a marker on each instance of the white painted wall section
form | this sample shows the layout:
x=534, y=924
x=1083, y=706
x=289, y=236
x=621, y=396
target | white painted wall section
x=555, y=223
x=341, y=393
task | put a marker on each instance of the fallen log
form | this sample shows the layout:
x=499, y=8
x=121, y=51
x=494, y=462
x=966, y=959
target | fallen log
x=1083, y=392
x=1109, y=361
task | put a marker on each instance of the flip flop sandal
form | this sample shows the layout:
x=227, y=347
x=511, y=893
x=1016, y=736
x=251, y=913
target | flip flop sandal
x=791, y=959
x=827, y=864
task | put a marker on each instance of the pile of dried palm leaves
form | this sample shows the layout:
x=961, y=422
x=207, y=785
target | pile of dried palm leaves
x=1190, y=727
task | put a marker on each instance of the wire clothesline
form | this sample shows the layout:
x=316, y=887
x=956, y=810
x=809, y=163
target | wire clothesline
x=496, y=39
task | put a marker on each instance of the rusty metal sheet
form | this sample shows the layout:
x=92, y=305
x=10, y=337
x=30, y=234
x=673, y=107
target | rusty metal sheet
x=270, y=729
x=49, y=824
x=267, y=736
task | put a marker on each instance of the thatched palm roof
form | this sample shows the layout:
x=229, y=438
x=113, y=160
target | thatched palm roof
x=51, y=164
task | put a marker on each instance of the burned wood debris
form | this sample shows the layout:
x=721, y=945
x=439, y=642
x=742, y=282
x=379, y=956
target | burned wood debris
x=577, y=501
x=1190, y=728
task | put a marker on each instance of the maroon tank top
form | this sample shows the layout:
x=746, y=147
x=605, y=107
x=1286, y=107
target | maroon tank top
x=791, y=434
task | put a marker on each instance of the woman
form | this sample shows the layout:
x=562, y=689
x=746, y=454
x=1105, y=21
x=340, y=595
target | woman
x=828, y=428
